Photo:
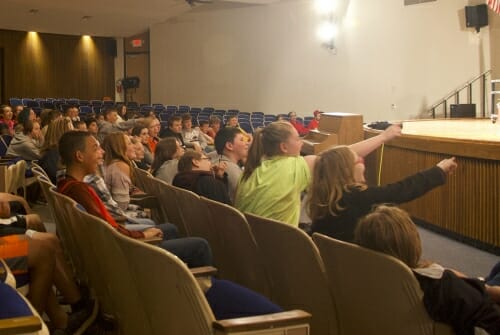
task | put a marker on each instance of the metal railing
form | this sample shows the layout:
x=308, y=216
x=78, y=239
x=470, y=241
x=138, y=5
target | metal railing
x=483, y=77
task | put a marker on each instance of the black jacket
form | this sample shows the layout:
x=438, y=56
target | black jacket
x=203, y=183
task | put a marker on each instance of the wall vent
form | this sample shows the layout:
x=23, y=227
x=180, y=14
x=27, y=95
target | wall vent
x=416, y=2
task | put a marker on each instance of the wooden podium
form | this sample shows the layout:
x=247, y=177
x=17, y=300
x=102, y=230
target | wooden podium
x=334, y=129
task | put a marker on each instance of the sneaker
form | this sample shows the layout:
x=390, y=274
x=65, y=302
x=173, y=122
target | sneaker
x=81, y=319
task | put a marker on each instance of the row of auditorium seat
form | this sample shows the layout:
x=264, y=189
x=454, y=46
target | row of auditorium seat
x=347, y=289
x=248, y=121
x=145, y=289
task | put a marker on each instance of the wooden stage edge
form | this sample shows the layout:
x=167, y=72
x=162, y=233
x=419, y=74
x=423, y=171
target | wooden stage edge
x=467, y=207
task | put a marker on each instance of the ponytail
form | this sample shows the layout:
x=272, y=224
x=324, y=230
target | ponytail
x=255, y=154
x=266, y=143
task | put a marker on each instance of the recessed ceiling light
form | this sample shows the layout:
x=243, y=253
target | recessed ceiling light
x=33, y=11
x=86, y=17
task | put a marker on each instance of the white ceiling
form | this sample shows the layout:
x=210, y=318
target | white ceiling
x=114, y=18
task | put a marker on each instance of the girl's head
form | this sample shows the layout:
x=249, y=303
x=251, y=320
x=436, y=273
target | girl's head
x=6, y=113
x=277, y=139
x=390, y=230
x=335, y=171
x=194, y=160
x=55, y=131
x=167, y=149
x=139, y=148
x=118, y=147
x=142, y=133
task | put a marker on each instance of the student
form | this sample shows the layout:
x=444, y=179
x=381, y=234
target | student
x=49, y=160
x=339, y=196
x=6, y=117
x=314, y=124
x=27, y=142
x=141, y=133
x=192, y=135
x=214, y=124
x=197, y=174
x=292, y=117
x=448, y=296
x=232, y=146
x=175, y=130
x=82, y=154
x=275, y=174
x=165, y=165
x=111, y=124
x=232, y=122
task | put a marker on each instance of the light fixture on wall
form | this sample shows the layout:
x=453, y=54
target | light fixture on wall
x=330, y=12
x=326, y=33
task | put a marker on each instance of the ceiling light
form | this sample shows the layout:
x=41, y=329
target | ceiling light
x=33, y=11
x=326, y=31
x=86, y=17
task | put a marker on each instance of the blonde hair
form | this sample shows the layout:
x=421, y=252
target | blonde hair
x=115, y=148
x=266, y=143
x=55, y=131
x=333, y=174
x=391, y=231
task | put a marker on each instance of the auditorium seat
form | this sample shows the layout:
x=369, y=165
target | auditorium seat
x=375, y=293
x=169, y=210
x=236, y=253
x=296, y=271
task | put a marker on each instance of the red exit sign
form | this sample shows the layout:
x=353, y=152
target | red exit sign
x=137, y=43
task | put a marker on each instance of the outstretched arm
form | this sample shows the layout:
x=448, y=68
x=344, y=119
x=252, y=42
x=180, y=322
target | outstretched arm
x=365, y=147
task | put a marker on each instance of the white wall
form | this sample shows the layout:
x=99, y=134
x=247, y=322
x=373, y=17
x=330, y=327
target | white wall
x=267, y=58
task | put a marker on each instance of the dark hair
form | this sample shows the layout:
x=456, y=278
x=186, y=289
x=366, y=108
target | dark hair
x=24, y=115
x=186, y=161
x=90, y=120
x=71, y=142
x=164, y=151
x=48, y=115
x=109, y=110
x=173, y=119
x=136, y=131
x=223, y=136
x=214, y=119
x=27, y=127
x=202, y=123
x=186, y=116
x=67, y=108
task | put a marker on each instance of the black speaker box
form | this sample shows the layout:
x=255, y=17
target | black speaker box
x=476, y=16
x=463, y=110
x=130, y=82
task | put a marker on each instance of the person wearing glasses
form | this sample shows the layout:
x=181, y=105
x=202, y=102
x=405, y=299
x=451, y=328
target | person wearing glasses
x=197, y=174
x=339, y=195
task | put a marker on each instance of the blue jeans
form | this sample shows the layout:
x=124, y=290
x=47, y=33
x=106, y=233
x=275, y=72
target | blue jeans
x=229, y=300
x=493, y=278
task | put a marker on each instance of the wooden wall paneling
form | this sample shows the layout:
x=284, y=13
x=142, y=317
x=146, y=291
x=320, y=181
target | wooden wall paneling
x=49, y=65
x=468, y=204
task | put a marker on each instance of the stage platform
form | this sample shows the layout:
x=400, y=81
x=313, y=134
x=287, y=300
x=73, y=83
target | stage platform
x=468, y=206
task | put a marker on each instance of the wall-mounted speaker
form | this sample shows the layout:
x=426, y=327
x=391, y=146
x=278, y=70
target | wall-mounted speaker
x=476, y=16
x=463, y=110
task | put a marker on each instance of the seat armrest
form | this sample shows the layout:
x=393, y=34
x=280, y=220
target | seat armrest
x=276, y=320
x=152, y=240
x=144, y=200
x=203, y=271
x=19, y=325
